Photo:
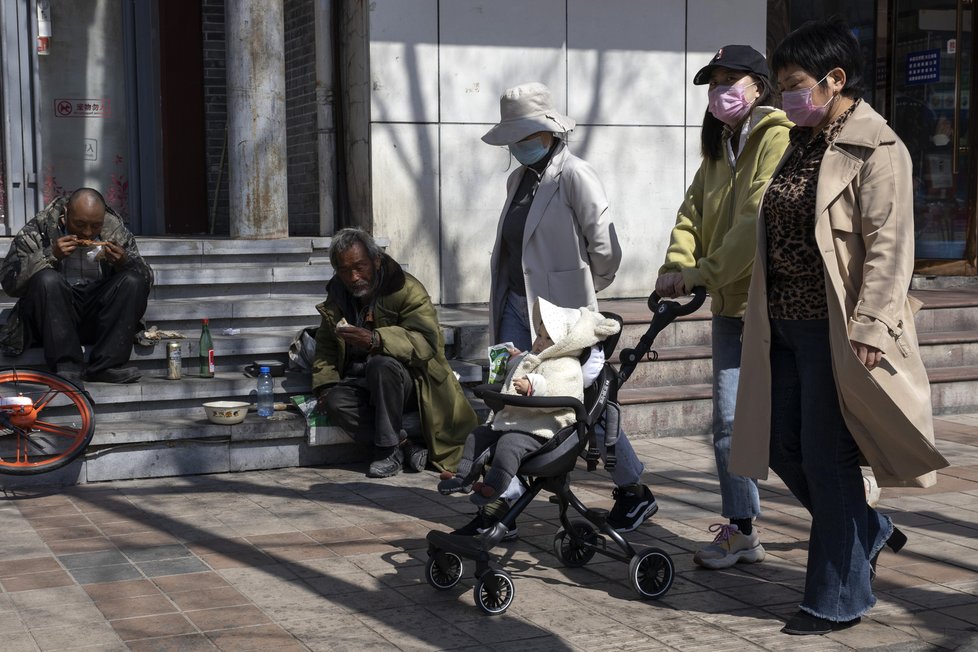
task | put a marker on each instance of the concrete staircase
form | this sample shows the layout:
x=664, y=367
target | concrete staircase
x=265, y=289
x=672, y=395
x=268, y=289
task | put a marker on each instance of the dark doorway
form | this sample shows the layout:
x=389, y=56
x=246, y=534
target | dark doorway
x=182, y=109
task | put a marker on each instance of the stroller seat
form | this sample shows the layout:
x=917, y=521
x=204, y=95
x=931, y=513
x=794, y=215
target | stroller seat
x=575, y=543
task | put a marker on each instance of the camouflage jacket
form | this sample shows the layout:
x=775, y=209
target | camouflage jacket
x=30, y=252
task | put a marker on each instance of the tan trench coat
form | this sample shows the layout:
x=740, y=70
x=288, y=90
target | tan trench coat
x=864, y=230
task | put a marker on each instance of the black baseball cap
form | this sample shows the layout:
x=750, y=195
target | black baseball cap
x=735, y=57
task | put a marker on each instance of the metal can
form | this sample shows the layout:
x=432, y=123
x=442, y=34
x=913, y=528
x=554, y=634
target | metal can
x=174, y=361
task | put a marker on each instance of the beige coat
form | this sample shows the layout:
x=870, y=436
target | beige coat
x=864, y=230
x=570, y=249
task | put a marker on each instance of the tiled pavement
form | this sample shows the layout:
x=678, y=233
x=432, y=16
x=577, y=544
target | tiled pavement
x=324, y=559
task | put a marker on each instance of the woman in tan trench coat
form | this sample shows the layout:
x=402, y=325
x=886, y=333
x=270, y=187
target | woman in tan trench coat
x=831, y=372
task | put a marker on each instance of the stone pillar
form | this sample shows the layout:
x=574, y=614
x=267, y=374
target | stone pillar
x=258, y=195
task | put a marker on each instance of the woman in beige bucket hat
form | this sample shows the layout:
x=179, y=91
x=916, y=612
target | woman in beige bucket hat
x=556, y=241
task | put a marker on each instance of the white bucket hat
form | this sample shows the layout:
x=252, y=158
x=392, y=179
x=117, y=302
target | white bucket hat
x=524, y=110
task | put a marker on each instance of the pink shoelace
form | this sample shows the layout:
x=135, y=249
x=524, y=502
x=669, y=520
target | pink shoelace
x=724, y=531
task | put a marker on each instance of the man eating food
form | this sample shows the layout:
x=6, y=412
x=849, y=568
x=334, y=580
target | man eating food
x=71, y=294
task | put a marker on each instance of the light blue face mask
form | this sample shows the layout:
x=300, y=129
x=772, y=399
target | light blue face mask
x=529, y=152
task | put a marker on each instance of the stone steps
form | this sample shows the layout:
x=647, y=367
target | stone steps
x=268, y=290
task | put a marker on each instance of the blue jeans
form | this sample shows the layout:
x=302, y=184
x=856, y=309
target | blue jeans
x=514, y=326
x=738, y=494
x=813, y=452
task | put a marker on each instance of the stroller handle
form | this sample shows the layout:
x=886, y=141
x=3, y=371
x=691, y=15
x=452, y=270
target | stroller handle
x=496, y=400
x=678, y=309
x=664, y=312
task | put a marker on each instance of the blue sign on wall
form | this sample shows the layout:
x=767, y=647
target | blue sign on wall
x=923, y=67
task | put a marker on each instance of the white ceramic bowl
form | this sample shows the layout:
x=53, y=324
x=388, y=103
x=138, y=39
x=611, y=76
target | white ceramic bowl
x=226, y=413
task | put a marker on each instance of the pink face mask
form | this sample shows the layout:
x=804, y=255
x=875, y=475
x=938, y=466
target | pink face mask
x=800, y=109
x=727, y=103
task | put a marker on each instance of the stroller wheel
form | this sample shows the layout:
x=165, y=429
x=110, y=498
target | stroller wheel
x=651, y=572
x=443, y=570
x=494, y=592
x=569, y=549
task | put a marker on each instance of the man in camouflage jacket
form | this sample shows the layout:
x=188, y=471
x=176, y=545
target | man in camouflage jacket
x=80, y=280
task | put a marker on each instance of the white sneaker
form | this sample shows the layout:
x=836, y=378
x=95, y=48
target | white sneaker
x=730, y=547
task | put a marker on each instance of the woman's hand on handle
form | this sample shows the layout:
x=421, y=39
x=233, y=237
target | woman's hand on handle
x=670, y=285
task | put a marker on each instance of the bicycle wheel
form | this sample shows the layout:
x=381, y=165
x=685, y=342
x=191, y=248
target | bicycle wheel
x=45, y=421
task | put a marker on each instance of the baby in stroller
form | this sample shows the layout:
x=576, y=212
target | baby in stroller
x=551, y=368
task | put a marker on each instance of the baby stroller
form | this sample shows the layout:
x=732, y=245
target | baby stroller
x=650, y=570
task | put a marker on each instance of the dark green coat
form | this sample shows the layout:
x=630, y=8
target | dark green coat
x=406, y=321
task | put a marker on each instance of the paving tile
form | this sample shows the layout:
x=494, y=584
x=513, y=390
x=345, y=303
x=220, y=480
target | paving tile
x=208, y=598
x=19, y=641
x=130, y=629
x=350, y=548
x=59, y=596
x=185, y=643
x=248, y=559
x=144, y=605
x=139, y=540
x=64, y=521
x=71, y=546
x=157, y=553
x=59, y=615
x=100, y=574
x=172, y=566
x=120, y=590
x=33, y=581
x=90, y=636
x=190, y=582
x=278, y=540
x=15, y=567
x=227, y=617
x=68, y=533
x=260, y=637
x=91, y=559
x=10, y=622
x=340, y=534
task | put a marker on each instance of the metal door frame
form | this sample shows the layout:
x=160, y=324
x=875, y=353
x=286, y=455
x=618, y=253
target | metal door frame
x=21, y=152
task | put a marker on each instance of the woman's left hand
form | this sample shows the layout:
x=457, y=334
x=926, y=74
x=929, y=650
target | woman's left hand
x=868, y=355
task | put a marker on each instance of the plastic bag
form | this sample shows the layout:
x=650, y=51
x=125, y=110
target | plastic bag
x=302, y=350
x=498, y=359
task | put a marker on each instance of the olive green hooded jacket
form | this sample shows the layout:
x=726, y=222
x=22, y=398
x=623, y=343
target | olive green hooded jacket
x=406, y=321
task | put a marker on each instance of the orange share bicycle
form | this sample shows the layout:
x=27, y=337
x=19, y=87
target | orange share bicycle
x=45, y=421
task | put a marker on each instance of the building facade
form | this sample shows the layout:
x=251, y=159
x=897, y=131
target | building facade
x=266, y=118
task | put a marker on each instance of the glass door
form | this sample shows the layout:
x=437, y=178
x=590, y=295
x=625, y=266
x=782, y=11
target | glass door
x=63, y=104
x=931, y=93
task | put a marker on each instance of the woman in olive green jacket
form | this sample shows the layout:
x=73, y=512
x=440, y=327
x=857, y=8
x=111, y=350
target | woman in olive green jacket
x=712, y=245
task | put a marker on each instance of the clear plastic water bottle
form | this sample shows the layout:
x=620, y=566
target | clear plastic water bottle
x=266, y=403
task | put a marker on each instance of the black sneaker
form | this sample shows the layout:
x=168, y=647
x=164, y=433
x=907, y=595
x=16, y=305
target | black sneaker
x=387, y=466
x=415, y=456
x=633, y=505
x=482, y=522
